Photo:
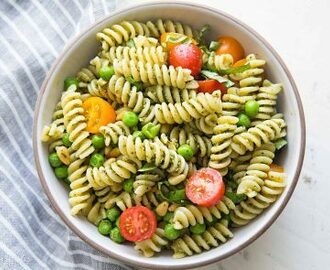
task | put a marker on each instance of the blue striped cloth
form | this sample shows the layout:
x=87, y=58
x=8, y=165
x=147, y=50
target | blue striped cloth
x=32, y=33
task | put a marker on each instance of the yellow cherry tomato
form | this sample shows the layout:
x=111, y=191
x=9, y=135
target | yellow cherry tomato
x=98, y=113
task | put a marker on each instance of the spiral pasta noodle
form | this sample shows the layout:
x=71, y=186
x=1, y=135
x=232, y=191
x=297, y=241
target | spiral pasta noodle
x=265, y=132
x=151, y=152
x=159, y=27
x=75, y=123
x=219, y=62
x=119, y=33
x=144, y=183
x=112, y=131
x=122, y=201
x=148, y=200
x=124, y=93
x=221, y=144
x=201, y=145
x=188, y=245
x=204, y=124
x=159, y=94
x=114, y=171
x=80, y=194
x=195, y=108
x=56, y=129
x=96, y=213
x=248, y=210
x=155, y=74
x=192, y=215
x=257, y=171
x=266, y=99
x=154, y=244
x=152, y=55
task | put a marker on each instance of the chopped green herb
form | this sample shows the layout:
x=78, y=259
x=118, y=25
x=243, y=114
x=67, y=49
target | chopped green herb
x=280, y=143
x=215, y=76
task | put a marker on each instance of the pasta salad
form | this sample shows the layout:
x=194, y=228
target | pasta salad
x=167, y=140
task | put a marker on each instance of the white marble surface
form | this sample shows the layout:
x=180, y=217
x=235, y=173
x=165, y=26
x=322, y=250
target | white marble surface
x=300, y=32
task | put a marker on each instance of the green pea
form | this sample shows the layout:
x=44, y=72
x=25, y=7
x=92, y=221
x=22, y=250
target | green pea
x=116, y=236
x=70, y=81
x=138, y=133
x=128, y=185
x=98, y=141
x=186, y=151
x=113, y=213
x=251, y=108
x=168, y=216
x=66, y=141
x=171, y=233
x=54, y=160
x=243, y=120
x=107, y=72
x=198, y=228
x=104, y=227
x=96, y=160
x=177, y=195
x=150, y=131
x=130, y=119
x=61, y=172
x=214, y=45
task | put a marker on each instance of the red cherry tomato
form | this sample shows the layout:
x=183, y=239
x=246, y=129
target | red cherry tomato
x=137, y=223
x=187, y=56
x=205, y=187
x=208, y=86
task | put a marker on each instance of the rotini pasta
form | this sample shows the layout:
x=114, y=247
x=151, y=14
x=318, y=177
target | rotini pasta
x=159, y=94
x=195, y=108
x=155, y=244
x=221, y=144
x=155, y=74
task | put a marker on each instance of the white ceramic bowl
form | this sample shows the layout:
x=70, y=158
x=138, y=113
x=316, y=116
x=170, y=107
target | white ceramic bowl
x=83, y=48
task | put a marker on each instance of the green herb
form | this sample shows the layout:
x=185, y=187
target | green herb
x=215, y=76
x=147, y=167
x=138, y=85
x=280, y=143
x=234, y=70
x=201, y=33
x=236, y=198
x=175, y=196
x=214, y=45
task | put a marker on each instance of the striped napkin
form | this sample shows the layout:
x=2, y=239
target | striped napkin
x=32, y=33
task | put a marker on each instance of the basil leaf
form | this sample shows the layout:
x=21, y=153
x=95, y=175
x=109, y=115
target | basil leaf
x=236, y=198
x=280, y=143
x=147, y=167
x=234, y=70
x=215, y=76
x=202, y=32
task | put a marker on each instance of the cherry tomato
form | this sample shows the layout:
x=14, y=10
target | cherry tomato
x=231, y=46
x=208, y=86
x=276, y=168
x=205, y=187
x=240, y=63
x=187, y=56
x=98, y=113
x=137, y=223
x=170, y=39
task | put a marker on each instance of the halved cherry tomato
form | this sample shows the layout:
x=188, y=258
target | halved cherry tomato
x=187, y=56
x=231, y=46
x=208, y=86
x=276, y=168
x=171, y=39
x=137, y=223
x=205, y=187
x=240, y=63
x=98, y=113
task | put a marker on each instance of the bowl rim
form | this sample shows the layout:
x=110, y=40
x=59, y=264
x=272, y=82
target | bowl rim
x=122, y=258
